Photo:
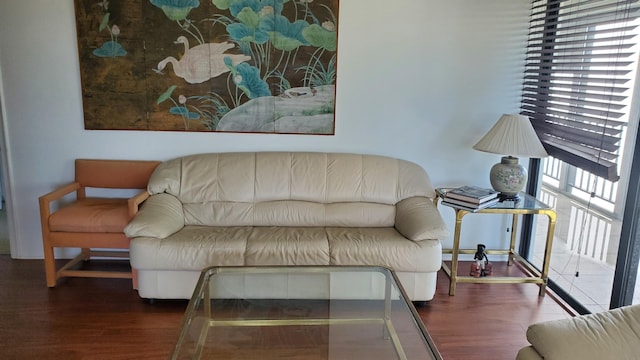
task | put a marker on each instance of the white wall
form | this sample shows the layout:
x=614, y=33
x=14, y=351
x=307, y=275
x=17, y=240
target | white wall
x=417, y=79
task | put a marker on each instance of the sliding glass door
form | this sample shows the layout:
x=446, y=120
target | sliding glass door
x=587, y=236
x=580, y=93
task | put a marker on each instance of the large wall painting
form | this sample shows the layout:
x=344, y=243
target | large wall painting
x=265, y=66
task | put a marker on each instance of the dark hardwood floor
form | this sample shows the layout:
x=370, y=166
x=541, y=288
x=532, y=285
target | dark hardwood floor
x=85, y=318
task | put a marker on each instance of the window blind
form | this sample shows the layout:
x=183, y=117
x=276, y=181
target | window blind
x=580, y=66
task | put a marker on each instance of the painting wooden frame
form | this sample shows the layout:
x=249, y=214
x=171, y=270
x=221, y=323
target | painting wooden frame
x=259, y=66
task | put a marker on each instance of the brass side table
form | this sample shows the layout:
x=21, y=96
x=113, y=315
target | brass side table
x=526, y=205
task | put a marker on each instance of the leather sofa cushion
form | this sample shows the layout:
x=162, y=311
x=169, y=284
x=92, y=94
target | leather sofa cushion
x=383, y=247
x=192, y=248
x=287, y=246
x=417, y=218
x=528, y=353
x=273, y=176
x=289, y=213
x=160, y=216
x=613, y=334
x=196, y=247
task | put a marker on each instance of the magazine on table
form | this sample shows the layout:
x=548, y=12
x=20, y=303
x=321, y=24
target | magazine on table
x=469, y=206
x=472, y=194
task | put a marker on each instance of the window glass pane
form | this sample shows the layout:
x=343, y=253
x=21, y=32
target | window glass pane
x=587, y=234
x=580, y=94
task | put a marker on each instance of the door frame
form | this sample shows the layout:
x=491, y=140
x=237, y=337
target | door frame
x=7, y=178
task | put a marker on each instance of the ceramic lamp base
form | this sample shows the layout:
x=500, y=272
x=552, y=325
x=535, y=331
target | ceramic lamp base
x=508, y=177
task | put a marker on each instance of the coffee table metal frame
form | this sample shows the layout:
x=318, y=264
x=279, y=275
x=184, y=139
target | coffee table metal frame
x=202, y=294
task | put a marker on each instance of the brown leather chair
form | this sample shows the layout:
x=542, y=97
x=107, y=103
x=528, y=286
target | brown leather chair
x=93, y=224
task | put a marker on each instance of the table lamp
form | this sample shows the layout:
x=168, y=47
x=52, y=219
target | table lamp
x=513, y=135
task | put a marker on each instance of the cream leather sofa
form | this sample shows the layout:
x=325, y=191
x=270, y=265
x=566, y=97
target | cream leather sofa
x=285, y=208
x=613, y=334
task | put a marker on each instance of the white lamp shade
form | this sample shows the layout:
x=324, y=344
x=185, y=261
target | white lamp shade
x=512, y=135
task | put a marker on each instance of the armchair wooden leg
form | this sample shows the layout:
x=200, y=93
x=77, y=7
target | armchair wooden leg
x=50, y=266
x=86, y=254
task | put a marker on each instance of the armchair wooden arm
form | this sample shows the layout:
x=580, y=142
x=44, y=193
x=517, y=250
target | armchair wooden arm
x=57, y=194
x=60, y=192
x=135, y=201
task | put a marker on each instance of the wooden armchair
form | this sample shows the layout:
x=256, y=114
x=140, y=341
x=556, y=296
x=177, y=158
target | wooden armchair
x=91, y=223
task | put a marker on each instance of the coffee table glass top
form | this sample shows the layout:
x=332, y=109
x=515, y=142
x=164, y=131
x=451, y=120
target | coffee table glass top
x=301, y=312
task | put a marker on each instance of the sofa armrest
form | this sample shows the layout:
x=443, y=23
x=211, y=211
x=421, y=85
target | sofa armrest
x=160, y=216
x=613, y=334
x=528, y=353
x=417, y=218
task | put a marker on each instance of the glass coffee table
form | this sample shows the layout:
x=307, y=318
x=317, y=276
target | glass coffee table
x=301, y=312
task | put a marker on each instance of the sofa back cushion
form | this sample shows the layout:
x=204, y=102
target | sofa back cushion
x=290, y=188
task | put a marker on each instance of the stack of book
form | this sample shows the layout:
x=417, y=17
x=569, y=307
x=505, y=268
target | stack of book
x=470, y=198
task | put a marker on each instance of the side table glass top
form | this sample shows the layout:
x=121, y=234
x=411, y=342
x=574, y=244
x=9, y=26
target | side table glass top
x=526, y=202
x=301, y=312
